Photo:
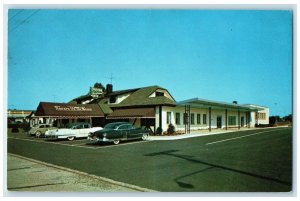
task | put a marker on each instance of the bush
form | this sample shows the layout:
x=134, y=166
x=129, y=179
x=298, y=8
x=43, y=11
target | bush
x=171, y=129
x=25, y=126
x=15, y=130
x=159, y=131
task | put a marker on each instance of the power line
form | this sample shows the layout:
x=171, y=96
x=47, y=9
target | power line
x=22, y=22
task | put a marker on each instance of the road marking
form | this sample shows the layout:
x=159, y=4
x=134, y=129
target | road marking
x=234, y=138
x=77, y=145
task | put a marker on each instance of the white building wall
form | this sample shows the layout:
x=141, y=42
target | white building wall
x=264, y=121
x=214, y=114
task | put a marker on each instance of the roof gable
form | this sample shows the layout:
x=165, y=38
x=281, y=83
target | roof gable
x=141, y=97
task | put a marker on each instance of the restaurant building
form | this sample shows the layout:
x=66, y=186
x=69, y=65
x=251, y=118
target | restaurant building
x=153, y=107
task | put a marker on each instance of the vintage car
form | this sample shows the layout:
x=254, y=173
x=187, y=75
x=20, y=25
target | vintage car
x=40, y=129
x=118, y=131
x=74, y=130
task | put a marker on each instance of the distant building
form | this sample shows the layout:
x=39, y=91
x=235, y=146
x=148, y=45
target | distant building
x=152, y=107
x=18, y=116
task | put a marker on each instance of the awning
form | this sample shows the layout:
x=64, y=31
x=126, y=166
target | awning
x=132, y=113
x=64, y=111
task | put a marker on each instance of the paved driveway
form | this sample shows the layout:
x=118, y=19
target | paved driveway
x=249, y=161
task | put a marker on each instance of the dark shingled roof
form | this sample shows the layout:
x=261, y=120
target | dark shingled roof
x=104, y=106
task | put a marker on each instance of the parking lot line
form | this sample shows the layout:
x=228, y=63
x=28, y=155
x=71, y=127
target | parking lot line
x=234, y=138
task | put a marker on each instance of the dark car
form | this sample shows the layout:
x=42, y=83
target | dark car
x=118, y=131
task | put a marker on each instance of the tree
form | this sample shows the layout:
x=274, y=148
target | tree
x=274, y=119
x=288, y=118
x=99, y=86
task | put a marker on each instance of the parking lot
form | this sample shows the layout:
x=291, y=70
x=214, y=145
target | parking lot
x=81, y=142
x=249, y=161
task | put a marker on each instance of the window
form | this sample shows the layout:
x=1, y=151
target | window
x=261, y=115
x=159, y=93
x=168, y=117
x=130, y=127
x=113, y=99
x=198, y=118
x=204, y=118
x=231, y=120
x=177, y=118
x=192, y=118
x=86, y=126
x=123, y=127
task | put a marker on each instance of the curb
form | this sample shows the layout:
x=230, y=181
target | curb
x=130, y=186
x=184, y=136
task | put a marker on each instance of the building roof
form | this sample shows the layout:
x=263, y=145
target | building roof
x=140, y=97
x=203, y=103
x=81, y=98
x=255, y=106
x=104, y=106
x=120, y=92
x=18, y=113
x=64, y=110
x=132, y=113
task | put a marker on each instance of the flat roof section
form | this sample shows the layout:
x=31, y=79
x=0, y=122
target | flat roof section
x=203, y=103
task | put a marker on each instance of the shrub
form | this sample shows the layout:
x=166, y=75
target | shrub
x=25, y=126
x=159, y=131
x=15, y=130
x=171, y=129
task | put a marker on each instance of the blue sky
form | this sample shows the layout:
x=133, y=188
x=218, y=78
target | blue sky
x=221, y=55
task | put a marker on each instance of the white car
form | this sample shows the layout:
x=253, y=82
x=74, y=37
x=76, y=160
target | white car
x=75, y=130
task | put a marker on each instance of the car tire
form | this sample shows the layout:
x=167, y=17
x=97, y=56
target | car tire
x=38, y=134
x=116, y=141
x=145, y=136
x=71, y=138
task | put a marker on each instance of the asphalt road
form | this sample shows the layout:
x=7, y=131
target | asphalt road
x=248, y=161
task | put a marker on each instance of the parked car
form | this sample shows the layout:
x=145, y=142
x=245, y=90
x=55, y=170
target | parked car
x=74, y=130
x=118, y=131
x=40, y=129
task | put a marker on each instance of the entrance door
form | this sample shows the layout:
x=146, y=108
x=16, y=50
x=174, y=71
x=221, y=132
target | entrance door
x=219, y=121
x=242, y=121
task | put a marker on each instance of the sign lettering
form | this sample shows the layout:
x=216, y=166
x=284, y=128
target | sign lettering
x=72, y=108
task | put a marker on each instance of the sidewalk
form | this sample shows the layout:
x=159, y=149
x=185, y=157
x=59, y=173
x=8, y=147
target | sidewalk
x=201, y=133
x=28, y=175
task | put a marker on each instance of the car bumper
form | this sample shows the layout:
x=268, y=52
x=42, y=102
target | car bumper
x=95, y=139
